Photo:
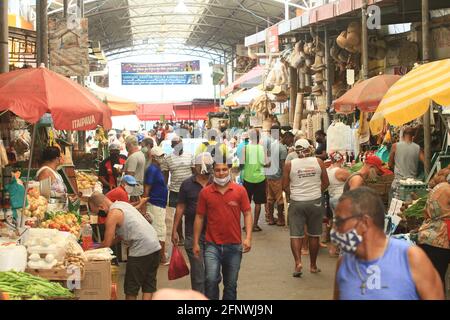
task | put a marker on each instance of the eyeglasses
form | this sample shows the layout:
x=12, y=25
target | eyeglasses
x=338, y=222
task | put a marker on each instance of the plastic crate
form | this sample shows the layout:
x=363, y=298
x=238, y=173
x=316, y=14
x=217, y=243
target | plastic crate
x=406, y=190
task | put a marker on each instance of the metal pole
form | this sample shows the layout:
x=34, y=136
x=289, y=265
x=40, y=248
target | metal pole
x=426, y=58
x=293, y=79
x=4, y=52
x=365, y=41
x=33, y=138
x=44, y=32
x=329, y=79
x=225, y=68
x=286, y=9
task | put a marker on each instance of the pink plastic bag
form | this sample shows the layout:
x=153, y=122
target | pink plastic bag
x=178, y=267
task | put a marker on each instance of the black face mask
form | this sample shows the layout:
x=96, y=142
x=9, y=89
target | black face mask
x=102, y=213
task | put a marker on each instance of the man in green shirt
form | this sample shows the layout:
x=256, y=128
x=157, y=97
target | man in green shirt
x=255, y=160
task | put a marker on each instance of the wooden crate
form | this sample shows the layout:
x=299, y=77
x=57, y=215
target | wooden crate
x=55, y=274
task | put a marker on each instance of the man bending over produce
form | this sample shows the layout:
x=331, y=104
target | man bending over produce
x=124, y=222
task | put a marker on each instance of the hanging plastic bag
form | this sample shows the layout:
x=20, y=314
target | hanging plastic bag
x=178, y=267
x=383, y=153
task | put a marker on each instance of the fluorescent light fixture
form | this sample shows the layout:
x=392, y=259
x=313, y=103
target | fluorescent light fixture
x=181, y=7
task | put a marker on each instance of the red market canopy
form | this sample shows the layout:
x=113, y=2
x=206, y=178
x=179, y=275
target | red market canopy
x=195, y=110
x=154, y=111
x=250, y=79
x=31, y=93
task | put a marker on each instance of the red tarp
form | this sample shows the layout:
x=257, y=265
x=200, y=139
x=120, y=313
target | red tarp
x=154, y=111
x=256, y=72
x=193, y=110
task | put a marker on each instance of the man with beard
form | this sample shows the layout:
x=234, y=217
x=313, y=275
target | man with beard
x=108, y=171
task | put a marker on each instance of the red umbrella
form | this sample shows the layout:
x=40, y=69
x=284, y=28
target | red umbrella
x=366, y=95
x=30, y=93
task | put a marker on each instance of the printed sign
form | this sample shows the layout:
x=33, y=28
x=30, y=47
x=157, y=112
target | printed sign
x=164, y=67
x=161, y=79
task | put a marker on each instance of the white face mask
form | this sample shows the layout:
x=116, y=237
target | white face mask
x=129, y=189
x=223, y=181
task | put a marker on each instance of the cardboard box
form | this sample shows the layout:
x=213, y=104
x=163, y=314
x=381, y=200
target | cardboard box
x=97, y=281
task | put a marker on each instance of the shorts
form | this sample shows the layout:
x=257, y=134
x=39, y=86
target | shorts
x=158, y=216
x=309, y=213
x=141, y=273
x=274, y=191
x=173, y=199
x=256, y=191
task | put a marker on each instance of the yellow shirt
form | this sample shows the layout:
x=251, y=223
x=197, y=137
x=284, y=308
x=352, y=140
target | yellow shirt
x=204, y=148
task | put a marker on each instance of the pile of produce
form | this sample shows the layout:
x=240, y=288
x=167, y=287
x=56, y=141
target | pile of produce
x=412, y=212
x=37, y=205
x=21, y=285
x=63, y=221
x=439, y=177
x=86, y=180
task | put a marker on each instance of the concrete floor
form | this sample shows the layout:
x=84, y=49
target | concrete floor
x=266, y=271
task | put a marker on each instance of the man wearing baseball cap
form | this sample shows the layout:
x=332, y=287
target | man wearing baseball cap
x=304, y=180
x=109, y=169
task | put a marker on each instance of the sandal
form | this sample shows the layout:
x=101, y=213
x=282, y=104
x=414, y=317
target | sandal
x=315, y=270
x=271, y=223
x=298, y=274
x=256, y=229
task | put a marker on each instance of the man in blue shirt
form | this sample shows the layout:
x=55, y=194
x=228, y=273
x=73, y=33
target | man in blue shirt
x=156, y=189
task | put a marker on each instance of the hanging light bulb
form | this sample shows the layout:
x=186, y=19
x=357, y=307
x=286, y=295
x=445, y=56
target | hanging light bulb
x=181, y=7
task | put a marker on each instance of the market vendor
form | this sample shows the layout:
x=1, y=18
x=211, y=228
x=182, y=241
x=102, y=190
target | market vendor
x=373, y=168
x=51, y=159
x=404, y=160
x=108, y=171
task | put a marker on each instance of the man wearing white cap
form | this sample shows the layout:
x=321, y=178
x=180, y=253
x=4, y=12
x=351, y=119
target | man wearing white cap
x=304, y=180
x=180, y=167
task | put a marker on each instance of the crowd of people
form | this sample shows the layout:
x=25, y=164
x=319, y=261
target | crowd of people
x=147, y=195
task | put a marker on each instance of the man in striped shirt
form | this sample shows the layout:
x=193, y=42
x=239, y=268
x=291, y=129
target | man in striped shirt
x=180, y=165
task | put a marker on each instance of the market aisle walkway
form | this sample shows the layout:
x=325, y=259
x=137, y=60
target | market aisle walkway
x=266, y=271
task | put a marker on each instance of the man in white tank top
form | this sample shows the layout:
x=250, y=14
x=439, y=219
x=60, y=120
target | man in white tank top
x=304, y=179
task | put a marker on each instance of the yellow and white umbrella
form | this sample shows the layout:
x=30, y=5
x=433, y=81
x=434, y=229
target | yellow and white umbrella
x=410, y=97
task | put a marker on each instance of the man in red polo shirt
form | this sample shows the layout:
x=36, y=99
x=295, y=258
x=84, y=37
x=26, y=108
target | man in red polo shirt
x=222, y=204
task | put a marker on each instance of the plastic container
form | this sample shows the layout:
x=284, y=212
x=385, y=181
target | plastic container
x=13, y=258
x=86, y=236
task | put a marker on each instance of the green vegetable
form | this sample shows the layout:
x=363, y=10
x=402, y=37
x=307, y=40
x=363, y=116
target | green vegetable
x=416, y=209
x=21, y=285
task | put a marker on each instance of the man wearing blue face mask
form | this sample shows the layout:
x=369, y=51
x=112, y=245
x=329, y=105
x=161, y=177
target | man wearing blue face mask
x=375, y=267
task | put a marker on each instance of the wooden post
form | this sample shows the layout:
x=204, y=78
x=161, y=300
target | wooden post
x=426, y=58
x=65, y=7
x=4, y=52
x=298, y=117
x=293, y=79
x=364, y=41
